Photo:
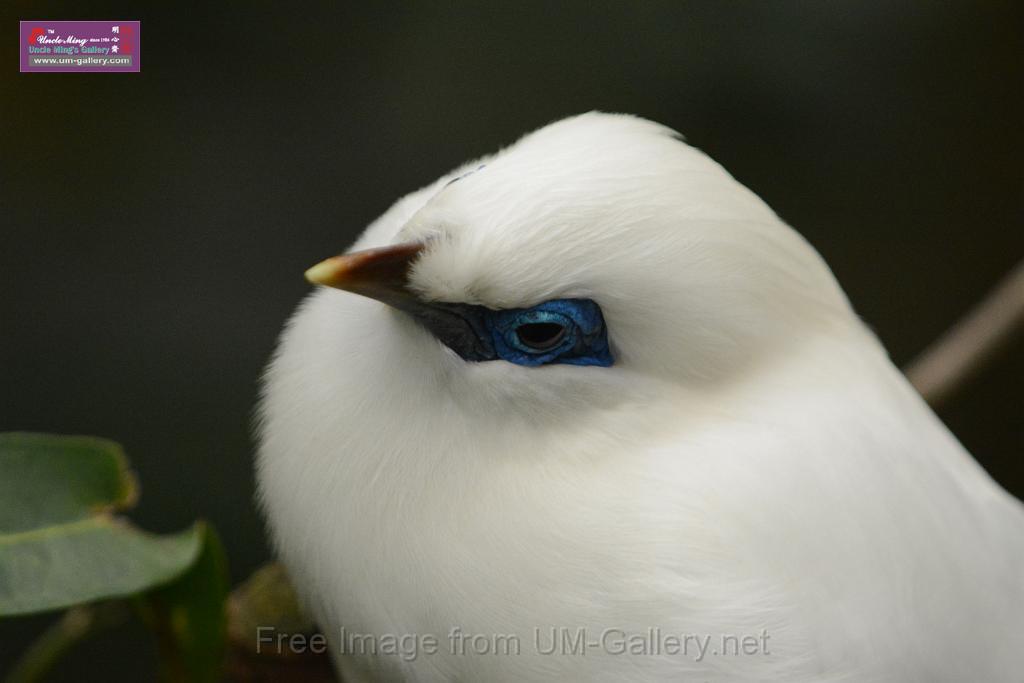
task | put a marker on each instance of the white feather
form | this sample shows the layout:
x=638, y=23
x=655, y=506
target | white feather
x=753, y=461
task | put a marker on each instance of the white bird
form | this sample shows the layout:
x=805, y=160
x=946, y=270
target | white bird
x=613, y=394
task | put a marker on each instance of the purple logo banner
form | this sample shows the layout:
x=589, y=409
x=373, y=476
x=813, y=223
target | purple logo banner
x=81, y=46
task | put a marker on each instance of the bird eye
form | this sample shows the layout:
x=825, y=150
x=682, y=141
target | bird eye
x=569, y=331
x=540, y=336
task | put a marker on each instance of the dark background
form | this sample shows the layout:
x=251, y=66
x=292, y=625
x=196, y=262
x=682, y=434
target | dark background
x=155, y=226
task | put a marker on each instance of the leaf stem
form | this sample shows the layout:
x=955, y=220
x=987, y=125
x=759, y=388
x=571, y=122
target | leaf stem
x=74, y=626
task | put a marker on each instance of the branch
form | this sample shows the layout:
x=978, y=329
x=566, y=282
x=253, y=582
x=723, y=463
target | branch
x=958, y=355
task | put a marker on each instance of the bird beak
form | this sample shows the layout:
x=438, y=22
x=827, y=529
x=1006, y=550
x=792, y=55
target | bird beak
x=381, y=274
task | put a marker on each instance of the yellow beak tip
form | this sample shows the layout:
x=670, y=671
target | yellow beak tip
x=321, y=274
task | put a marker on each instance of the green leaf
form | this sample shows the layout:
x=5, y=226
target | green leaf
x=48, y=480
x=60, y=545
x=190, y=618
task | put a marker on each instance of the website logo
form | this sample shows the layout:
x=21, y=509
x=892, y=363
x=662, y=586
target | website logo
x=61, y=46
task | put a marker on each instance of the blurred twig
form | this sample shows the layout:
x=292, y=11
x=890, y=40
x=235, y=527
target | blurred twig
x=945, y=365
x=74, y=626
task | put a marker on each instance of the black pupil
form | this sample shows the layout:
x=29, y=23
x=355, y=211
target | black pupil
x=540, y=336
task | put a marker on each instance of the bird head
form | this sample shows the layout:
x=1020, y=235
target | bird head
x=595, y=256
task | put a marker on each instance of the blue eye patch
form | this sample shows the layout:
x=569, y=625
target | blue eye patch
x=570, y=331
x=558, y=331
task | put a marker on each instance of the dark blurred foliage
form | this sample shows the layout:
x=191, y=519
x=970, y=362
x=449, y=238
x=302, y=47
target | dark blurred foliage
x=155, y=226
